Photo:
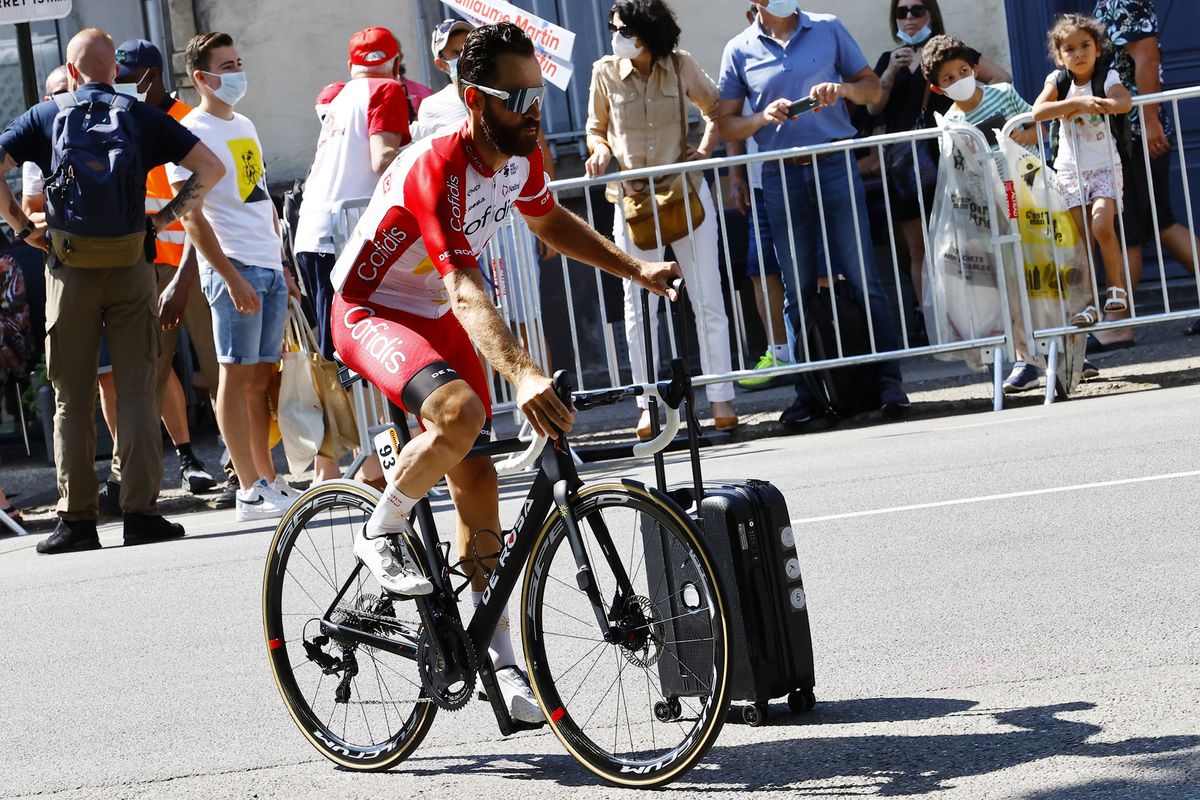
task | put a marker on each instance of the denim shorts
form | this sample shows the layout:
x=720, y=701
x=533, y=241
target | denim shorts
x=247, y=338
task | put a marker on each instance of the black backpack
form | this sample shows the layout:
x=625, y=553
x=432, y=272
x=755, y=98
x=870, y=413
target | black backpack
x=97, y=185
x=1118, y=124
x=844, y=391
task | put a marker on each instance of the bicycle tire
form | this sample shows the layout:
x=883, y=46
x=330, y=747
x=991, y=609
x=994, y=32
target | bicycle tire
x=287, y=652
x=546, y=650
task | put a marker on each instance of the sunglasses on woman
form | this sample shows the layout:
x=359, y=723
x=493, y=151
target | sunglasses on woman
x=916, y=12
x=518, y=101
x=624, y=30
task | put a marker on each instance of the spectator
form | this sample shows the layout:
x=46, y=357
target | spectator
x=949, y=67
x=1087, y=162
x=365, y=125
x=762, y=266
x=634, y=115
x=16, y=344
x=33, y=198
x=417, y=93
x=785, y=55
x=84, y=297
x=1133, y=27
x=179, y=296
x=906, y=104
x=241, y=272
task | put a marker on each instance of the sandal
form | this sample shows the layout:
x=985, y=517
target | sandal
x=1086, y=318
x=1118, y=299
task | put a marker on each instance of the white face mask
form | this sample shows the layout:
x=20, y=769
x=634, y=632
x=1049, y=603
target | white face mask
x=624, y=47
x=131, y=90
x=961, y=90
x=453, y=65
x=917, y=38
x=232, y=88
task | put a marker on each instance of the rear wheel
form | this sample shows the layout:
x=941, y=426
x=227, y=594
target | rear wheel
x=361, y=707
x=639, y=704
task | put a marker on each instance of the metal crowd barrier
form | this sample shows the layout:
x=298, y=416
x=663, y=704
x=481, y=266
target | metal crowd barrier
x=1049, y=340
x=991, y=348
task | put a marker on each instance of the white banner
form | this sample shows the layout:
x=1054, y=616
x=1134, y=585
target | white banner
x=554, y=44
x=15, y=11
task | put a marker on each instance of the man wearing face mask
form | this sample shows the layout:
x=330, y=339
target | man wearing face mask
x=98, y=279
x=241, y=272
x=784, y=56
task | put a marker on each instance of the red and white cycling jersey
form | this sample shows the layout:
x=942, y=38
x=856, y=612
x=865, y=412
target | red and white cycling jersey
x=433, y=211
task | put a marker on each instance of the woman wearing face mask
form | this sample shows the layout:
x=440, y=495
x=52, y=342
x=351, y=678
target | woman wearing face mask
x=635, y=116
x=907, y=104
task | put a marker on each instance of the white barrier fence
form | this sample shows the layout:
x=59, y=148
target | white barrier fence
x=1049, y=339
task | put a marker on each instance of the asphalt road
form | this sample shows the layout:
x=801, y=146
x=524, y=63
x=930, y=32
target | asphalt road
x=1004, y=606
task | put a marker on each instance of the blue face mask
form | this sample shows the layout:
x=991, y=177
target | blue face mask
x=782, y=8
x=232, y=88
x=918, y=38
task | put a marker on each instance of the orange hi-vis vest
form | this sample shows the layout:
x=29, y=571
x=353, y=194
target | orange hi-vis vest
x=158, y=194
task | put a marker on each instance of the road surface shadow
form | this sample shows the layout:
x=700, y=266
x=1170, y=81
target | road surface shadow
x=880, y=765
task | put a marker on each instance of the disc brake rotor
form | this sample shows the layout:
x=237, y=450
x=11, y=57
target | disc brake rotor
x=645, y=645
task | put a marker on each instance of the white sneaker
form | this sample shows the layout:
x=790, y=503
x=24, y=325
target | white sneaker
x=284, y=489
x=388, y=567
x=514, y=688
x=260, y=501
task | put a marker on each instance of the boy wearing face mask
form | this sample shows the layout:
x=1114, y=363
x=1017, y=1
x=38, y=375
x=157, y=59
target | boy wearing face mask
x=241, y=271
x=949, y=66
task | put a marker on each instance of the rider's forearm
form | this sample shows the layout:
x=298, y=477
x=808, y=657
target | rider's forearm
x=487, y=329
x=571, y=236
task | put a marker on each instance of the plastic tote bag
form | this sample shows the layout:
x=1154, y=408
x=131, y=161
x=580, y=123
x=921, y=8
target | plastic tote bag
x=301, y=418
x=962, y=288
x=1054, y=256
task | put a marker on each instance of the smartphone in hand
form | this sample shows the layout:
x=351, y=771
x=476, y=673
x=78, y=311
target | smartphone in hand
x=801, y=106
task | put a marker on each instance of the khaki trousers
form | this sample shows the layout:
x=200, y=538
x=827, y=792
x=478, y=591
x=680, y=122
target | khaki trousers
x=79, y=302
x=198, y=320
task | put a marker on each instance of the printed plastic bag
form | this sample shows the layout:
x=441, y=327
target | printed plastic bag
x=1054, y=256
x=301, y=418
x=962, y=289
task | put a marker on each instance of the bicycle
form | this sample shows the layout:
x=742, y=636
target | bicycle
x=632, y=599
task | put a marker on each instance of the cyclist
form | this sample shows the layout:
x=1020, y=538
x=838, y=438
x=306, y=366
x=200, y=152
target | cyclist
x=410, y=308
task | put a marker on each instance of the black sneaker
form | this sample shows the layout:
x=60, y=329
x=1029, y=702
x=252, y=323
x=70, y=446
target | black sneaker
x=227, y=498
x=194, y=477
x=797, y=415
x=70, y=537
x=149, y=528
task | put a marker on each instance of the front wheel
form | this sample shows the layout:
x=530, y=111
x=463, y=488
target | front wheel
x=641, y=702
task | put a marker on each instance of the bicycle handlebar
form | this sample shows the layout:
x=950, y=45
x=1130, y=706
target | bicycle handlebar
x=519, y=462
x=666, y=435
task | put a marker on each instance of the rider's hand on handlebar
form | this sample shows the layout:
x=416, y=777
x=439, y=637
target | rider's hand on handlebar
x=540, y=405
x=656, y=276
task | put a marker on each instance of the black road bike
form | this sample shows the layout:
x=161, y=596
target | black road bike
x=604, y=621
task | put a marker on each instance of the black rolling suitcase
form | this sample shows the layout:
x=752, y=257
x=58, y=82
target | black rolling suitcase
x=748, y=530
x=844, y=391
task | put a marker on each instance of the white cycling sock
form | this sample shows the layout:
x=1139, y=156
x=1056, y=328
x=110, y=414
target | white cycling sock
x=781, y=353
x=391, y=515
x=500, y=649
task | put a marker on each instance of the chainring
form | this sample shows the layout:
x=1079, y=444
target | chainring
x=450, y=687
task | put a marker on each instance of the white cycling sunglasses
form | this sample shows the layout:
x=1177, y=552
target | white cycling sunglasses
x=518, y=101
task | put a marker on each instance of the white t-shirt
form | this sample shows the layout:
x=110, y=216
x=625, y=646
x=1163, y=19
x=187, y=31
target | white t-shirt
x=341, y=169
x=238, y=208
x=444, y=109
x=1086, y=142
x=32, y=180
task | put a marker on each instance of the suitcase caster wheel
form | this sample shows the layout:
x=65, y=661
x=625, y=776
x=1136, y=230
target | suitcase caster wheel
x=668, y=711
x=801, y=701
x=754, y=715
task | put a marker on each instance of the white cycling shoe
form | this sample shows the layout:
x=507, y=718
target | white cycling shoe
x=514, y=688
x=388, y=567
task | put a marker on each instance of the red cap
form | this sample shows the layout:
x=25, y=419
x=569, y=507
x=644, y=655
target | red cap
x=372, y=47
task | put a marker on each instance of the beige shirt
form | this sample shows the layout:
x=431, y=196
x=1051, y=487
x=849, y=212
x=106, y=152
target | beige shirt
x=638, y=117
